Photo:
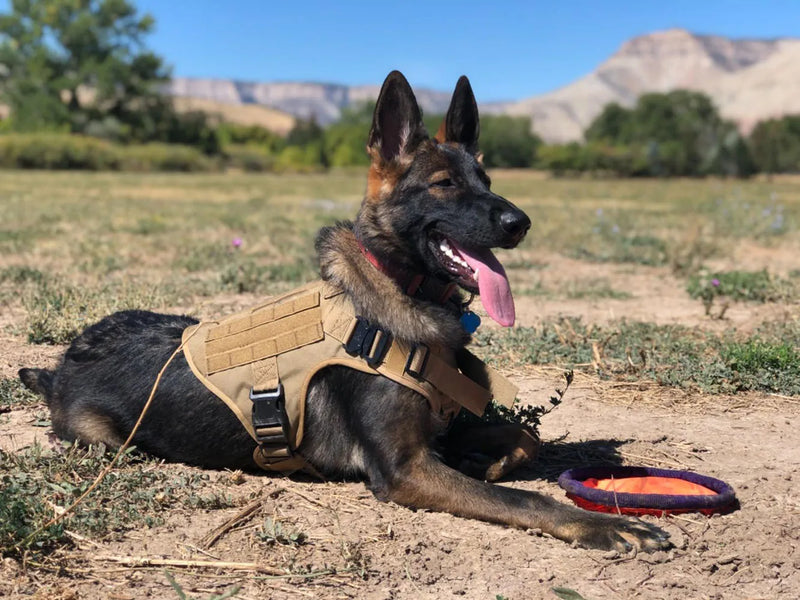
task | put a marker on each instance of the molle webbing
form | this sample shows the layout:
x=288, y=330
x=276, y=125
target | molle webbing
x=270, y=353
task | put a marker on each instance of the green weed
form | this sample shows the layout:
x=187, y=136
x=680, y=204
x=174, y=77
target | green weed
x=14, y=394
x=274, y=532
x=737, y=286
x=669, y=354
x=764, y=365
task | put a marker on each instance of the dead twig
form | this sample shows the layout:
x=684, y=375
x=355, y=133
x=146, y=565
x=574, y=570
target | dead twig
x=143, y=561
x=247, y=513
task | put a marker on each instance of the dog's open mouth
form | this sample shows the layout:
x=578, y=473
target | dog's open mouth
x=477, y=270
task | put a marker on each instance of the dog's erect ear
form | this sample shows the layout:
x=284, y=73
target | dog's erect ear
x=397, y=127
x=461, y=124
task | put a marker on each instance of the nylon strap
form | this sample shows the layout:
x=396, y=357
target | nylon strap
x=264, y=336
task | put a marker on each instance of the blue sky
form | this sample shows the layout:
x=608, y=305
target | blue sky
x=510, y=50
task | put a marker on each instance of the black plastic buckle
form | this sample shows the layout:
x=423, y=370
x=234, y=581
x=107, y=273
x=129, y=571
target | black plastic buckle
x=417, y=373
x=269, y=411
x=362, y=340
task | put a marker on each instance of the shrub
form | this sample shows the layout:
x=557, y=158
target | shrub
x=65, y=151
x=164, y=157
x=249, y=157
x=56, y=151
x=302, y=159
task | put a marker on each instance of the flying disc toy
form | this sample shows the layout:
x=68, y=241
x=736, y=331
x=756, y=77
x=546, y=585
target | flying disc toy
x=646, y=491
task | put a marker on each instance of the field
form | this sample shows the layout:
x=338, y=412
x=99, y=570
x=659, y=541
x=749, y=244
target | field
x=675, y=302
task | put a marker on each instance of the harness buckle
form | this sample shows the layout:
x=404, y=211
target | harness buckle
x=270, y=421
x=370, y=342
x=415, y=365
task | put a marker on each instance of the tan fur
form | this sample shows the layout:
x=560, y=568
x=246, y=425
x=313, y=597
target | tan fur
x=441, y=133
x=92, y=428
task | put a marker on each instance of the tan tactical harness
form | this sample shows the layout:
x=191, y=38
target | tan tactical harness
x=259, y=363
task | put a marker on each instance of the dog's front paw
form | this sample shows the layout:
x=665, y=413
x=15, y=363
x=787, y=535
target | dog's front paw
x=618, y=533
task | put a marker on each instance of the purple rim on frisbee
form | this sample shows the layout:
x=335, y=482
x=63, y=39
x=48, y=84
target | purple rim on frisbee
x=722, y=500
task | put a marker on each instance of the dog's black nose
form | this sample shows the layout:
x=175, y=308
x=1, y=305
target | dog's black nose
x=515, y=222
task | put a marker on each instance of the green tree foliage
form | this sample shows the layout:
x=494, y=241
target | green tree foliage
x=80, y=65
x=250, y=135
x=346, y=140
x=775, y=145
x=677, y=133
x=614, y=123
x=507, y=142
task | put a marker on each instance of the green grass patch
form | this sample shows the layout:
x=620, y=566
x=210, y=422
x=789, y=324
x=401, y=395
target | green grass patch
x=134, y=494
x=248, y=276
x=19, y=274
x=669, y=354
x=755, y=286
x=738, y=286
x=57, y=311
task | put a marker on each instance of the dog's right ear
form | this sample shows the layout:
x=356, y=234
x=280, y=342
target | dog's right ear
x=397, y=127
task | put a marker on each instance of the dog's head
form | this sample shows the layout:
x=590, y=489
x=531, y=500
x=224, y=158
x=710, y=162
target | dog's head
x=428, y=207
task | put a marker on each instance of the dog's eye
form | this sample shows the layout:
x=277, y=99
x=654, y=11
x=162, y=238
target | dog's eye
x=443, y=183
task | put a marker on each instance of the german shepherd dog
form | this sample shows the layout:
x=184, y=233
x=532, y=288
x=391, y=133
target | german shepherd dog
x=428, y=210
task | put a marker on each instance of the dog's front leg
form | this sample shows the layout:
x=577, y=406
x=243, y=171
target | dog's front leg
x=424, y=482
x=491, y=452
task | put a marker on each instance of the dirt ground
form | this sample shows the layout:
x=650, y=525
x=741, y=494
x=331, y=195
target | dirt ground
x=384, y=551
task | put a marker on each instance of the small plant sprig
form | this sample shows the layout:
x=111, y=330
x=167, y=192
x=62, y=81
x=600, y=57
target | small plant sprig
x=528, y=416
x=724, y=287
x=273, y=532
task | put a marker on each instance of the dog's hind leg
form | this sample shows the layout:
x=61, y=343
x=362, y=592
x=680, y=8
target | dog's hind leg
x=94, y=428
x=491, y=452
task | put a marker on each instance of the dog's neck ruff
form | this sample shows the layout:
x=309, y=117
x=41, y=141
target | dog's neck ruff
x=412, y=284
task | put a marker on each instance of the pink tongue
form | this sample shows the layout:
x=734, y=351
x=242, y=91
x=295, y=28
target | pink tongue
x=492, y=284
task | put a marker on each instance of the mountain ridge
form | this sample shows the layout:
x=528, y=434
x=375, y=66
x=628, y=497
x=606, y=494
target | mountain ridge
x=749, y=79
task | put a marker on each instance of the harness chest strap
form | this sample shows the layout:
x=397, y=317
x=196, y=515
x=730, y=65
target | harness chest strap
x=266, y=357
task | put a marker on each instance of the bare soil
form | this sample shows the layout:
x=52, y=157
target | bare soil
x=358, y=547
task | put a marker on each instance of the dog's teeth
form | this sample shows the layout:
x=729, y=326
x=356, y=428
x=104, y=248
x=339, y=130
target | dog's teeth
x=475, y=276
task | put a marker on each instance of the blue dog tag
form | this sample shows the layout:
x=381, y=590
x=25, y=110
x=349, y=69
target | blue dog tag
x=470, y=321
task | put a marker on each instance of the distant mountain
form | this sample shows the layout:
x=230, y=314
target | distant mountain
x=749, y=80
x=323, y=101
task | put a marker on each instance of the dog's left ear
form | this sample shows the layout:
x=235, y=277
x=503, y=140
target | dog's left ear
x=461, y=124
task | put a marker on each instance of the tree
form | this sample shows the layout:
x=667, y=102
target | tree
x=507, y=142
x=81, y=65
x=678, y=133
x=346, y=140
x=613, y=124
x=775, y=144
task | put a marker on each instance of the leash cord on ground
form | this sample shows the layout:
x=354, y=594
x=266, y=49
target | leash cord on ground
x=26, y=542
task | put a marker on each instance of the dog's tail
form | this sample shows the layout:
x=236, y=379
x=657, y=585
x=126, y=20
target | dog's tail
x=38, y=380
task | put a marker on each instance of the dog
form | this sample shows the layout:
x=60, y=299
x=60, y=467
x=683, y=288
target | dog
x=428, y=211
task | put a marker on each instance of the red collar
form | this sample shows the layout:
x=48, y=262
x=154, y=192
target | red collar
x=411, y=283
